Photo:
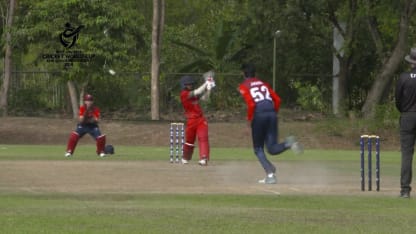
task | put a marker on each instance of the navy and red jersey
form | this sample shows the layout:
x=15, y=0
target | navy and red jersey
x=406, y=92
x=90, y=115
x=191, y=105
x=259, y=97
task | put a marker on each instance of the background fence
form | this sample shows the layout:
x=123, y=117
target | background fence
x=124, y=95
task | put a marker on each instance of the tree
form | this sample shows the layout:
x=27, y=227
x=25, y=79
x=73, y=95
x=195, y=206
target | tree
x=220, y=55
x=348, y=31
x=116, y=42
x=7, y=56
x=157, y=30
x=390, y=58
x=223, y=54
x=375, y=35
x=303, y=49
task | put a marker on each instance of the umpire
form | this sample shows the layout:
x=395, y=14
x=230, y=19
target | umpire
x=406, y=104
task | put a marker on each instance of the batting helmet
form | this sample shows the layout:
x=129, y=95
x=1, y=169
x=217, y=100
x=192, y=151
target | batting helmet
x=88, y=97
x=186, y=80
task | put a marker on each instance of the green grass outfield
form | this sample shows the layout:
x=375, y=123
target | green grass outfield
x=203, y=213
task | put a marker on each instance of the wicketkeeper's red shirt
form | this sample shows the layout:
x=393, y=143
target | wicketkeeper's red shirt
x=94, y=112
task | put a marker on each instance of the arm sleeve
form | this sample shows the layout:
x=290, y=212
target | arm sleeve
x=251, y=105
x=205, y=96
x=398, y=93
x=97, y=113
x=81, y=113
x=199, y=91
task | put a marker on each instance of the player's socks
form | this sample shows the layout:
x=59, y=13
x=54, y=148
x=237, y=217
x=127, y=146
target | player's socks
x=100, y=144
x=72, y=142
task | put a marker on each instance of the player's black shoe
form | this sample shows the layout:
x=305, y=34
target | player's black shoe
x=405, y=194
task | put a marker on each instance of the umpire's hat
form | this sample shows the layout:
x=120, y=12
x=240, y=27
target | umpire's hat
x=411, y=58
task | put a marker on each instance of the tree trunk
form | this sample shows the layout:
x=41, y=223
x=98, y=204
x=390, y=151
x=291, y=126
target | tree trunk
x=157, y=29
x=341, y=65
x=343, y=38
x=343, y=83
x=7, y=60
x=74, y=100
x=82, y=93
x=385, y=76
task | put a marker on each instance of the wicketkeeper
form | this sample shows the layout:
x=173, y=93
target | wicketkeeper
x=196, y=124
x=89, y=116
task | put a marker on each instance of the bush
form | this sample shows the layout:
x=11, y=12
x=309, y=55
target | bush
x=387, y=115
x=310, y=97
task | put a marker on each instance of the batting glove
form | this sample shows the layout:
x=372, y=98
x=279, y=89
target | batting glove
x=211, y=85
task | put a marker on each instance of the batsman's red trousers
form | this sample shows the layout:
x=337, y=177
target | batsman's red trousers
x=196, y=127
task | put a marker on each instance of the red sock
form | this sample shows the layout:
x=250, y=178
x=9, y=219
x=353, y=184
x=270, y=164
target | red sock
x=72, y=142
x=100, y=144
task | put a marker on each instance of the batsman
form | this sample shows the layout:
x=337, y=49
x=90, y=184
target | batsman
x=88, y=118
x=196, y=123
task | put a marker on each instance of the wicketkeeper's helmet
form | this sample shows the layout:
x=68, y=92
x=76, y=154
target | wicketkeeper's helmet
x=88, y=97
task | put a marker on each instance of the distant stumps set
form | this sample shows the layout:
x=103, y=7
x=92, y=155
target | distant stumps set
x=369, y=140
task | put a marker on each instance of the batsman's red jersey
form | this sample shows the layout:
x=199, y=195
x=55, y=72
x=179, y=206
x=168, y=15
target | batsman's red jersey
x=190, y=105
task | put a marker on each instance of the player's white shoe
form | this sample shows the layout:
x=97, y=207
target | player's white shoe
x=184, y=161
x=290, y=140
x=203, y=162
x=68, y=154
x=270, y=179
x=102, y=155
x=297, y=148
x=294, y=145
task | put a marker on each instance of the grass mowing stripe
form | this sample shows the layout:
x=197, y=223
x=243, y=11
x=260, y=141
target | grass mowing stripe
x=203, y=214
x=87, y=152
x=168, y=213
